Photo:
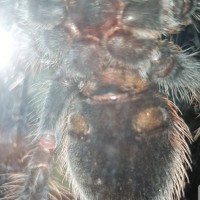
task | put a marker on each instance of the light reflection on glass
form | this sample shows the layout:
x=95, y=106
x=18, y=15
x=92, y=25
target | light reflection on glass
x=6, y=49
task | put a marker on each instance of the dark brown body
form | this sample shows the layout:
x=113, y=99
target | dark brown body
x=106, y=121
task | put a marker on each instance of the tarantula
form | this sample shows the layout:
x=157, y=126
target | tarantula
x=106, y=127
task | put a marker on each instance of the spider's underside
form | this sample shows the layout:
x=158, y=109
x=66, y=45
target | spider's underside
x=104, y=127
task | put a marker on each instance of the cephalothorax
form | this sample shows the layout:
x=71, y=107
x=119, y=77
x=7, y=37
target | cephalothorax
x=106, y=121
